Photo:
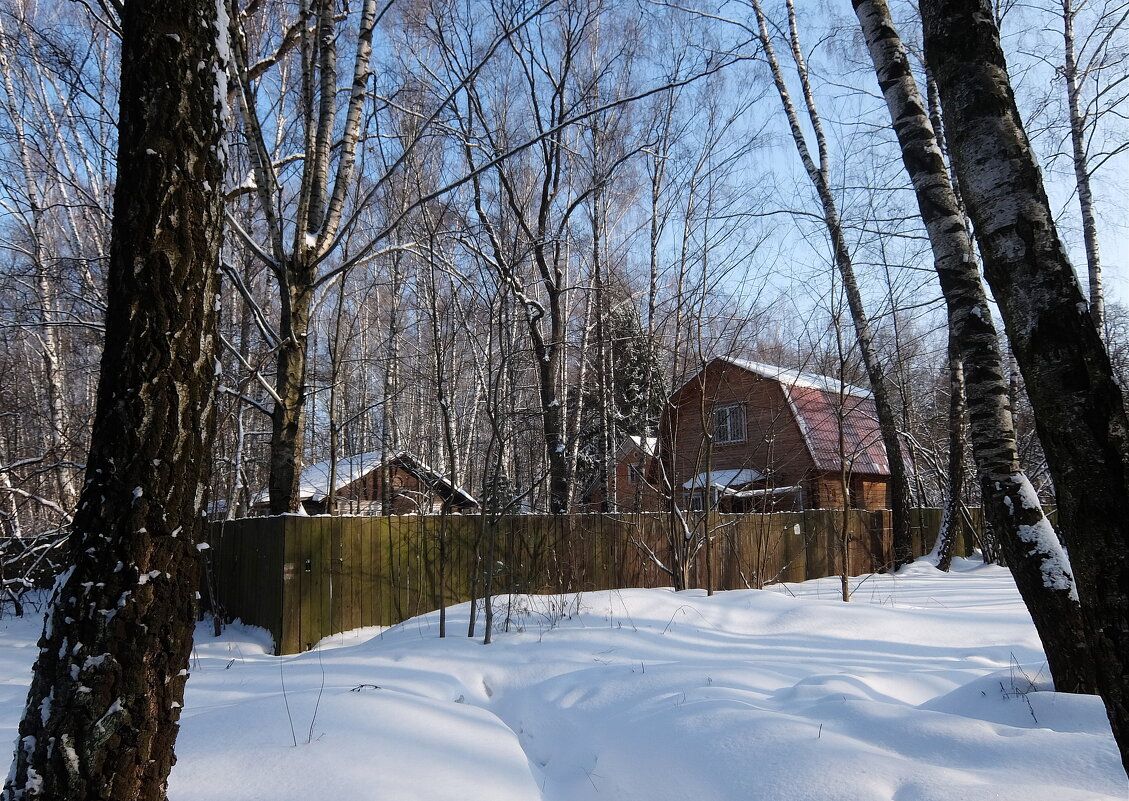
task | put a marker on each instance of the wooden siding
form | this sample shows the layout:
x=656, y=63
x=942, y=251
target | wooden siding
x=772, y=437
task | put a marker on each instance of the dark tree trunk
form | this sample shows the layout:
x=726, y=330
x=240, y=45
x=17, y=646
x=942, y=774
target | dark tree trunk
x=287, y=416
x=1030, y=545
x=552, y=415
x=950, y=516
x=1080, y=414
x=104, y=702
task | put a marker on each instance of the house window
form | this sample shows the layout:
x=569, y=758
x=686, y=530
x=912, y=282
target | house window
x=729, y=423
x=696, y=502
x=634, y=473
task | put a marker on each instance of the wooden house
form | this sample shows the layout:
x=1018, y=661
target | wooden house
x=630, y=486
x=745, y=436
x=359, y=487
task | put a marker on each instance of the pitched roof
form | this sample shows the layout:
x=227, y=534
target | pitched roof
x=818, y=413
x=313, y=485
x=795, y=378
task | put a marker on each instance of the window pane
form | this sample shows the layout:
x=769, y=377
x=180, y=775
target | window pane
x=729, y=423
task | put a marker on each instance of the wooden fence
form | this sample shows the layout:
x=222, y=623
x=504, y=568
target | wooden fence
x=305, y=578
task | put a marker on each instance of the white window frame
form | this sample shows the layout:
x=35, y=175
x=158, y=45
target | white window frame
x=729, y=423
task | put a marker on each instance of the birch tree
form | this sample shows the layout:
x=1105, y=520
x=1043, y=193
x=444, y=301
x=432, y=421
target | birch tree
x=819, y=173
x=55, y=192
x=1030, y=544
x=102, y=711
x=1083, y=111
x=1080, y=411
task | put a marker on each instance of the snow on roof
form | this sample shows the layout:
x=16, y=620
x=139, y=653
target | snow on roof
x=795, y=378
x=723, y=479
x=761, y=493
x=314, y=482
x=649, y=445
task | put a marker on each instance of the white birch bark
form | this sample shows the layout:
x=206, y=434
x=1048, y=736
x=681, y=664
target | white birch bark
x=1077, y=119
x=1080, y=411
x=1055, y=611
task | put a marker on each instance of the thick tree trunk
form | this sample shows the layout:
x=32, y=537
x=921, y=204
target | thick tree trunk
x=950, y=514
x=390, y=399
x=1079, y=410
x=552, y=415
x=288, y=414
x=1030, y=546
x=103, y=706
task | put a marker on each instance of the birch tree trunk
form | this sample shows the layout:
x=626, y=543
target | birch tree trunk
x=102, y=711
x=1071, y=75
x=48, y=336
x=1080, y=412
x=1030, y=545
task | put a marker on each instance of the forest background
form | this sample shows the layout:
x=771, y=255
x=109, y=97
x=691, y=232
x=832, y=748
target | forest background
x=496, y=234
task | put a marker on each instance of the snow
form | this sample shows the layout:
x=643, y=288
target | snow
x=761, y=493
x=314, y=480
x=926, y=687
x=1054, y=562
x=795, y=378
x=723, y=479
x=649, y=445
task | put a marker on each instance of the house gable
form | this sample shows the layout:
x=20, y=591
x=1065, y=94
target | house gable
x=772, y=446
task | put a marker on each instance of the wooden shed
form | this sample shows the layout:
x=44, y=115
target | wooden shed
x=363, y=484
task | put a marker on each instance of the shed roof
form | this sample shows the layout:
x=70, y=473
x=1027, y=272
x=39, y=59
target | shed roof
x=313, y=483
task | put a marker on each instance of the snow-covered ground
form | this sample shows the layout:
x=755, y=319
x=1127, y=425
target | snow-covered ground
x=927, y=686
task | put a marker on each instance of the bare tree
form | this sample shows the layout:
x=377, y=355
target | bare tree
x=307, y=231
x=56, y=197
x=1078, y=119
x=820, y=177
x=1030, y=544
